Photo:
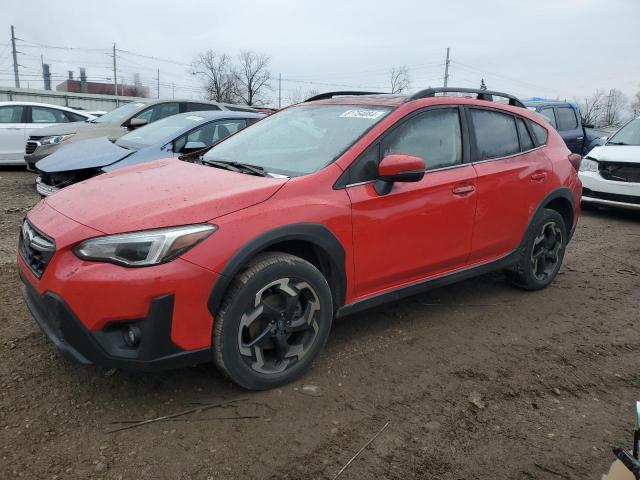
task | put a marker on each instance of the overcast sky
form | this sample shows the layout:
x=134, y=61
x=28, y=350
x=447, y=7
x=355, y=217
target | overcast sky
x=546, y=48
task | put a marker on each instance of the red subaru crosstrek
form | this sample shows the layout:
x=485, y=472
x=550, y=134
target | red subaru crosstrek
x=246, y=255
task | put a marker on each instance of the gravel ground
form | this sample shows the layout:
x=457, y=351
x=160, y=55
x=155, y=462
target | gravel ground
x=477, y=381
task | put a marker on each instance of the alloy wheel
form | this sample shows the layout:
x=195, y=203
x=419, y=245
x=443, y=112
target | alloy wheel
x=545, y=254
x=280, y=326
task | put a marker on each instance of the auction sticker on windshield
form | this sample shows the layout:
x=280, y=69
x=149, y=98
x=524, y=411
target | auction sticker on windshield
x=371, y=114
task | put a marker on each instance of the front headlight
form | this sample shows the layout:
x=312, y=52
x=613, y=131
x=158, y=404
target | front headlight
x=141, y=249
x=55, y=139
x=588, y=165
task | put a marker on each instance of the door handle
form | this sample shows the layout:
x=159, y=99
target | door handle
x=538, y=176
x=463, y=189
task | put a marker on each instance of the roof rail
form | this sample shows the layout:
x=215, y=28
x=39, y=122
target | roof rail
x=481, y=94
x=324, y=96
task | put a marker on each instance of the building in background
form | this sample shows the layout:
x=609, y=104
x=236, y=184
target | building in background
x=101, y=88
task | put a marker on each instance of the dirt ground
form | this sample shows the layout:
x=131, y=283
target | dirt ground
x=477, y=381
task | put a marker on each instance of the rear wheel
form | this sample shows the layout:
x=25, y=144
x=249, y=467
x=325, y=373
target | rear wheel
x=543, y=253
x=273, y=322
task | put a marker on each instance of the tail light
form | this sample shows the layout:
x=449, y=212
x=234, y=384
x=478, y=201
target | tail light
x=575, y=160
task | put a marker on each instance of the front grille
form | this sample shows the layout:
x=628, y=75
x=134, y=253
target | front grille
x=619, y=172
x=31, y=147
x=36, y=249
x=614, y=197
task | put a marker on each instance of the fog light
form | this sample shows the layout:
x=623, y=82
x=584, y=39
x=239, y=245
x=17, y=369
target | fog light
x=132, y=336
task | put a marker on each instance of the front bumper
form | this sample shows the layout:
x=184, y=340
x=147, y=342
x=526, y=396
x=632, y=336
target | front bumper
x=43, y=189
x=107, y=347
x=600, y=191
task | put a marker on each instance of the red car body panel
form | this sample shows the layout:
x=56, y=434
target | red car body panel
x=450, y=220
x=161, y=193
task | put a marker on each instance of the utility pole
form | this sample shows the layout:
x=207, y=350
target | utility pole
x=279, y=91
x=158, y=83
x=173, y=90
x=15, y=58
x=446, y=70
x=115, y=74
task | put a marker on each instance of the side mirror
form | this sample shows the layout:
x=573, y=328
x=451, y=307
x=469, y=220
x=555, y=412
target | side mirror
x=398, y=167
x=192, y=147
x=137, y=122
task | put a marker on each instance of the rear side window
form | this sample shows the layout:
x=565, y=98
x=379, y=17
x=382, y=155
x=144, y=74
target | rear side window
x=496, y=134
x=47, y=115
x=74, y=117
x=549, y=115
x=434, y=136
x=11, y=114
x=567, y=119
x=196, y=107
x=525, y=139
x=540, y=133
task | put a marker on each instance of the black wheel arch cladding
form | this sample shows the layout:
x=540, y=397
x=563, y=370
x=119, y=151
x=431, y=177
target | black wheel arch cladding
x=328, y=249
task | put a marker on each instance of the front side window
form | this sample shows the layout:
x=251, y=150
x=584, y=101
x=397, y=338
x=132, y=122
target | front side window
x=159, y=111
x=299, y=140
x=627, y=135
x=47, y=115
x=496, y=134
x=549, y=115
x=434, y=136
x=74, y=117
x=210, y=133
x=11, y=114
x=567, y=119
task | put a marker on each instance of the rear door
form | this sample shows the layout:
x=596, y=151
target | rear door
x=419, y=229
x=513, y=174
x=569, y=128
x=12, y=133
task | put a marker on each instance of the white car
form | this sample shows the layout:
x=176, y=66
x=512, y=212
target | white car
x=19, y=119
x=610, y=173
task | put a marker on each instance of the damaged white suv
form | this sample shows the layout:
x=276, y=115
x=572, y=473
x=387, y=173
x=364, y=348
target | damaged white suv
x=610, y=173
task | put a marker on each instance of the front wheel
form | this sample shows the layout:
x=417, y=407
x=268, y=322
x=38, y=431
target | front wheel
x=543, y=252
x=273, y=322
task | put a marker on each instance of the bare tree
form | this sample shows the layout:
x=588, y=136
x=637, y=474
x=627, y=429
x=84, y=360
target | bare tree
x=297, y=95
x=215, y=70
x=399, y=79
x=252, y=77
x=614, y=104
x=635, y=106
x=591, y=108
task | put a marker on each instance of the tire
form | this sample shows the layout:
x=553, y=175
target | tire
x=273, y=322
x=543, y=252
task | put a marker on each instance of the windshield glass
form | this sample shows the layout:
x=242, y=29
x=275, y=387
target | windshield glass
x=299, y=140
x=119, y=114
x=627, y=135
x=167, y=128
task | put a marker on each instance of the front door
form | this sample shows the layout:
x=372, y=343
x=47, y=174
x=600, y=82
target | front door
x=419, y=229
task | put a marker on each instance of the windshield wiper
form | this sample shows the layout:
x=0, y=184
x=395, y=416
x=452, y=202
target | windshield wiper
x=618, y=143
x=237, y=167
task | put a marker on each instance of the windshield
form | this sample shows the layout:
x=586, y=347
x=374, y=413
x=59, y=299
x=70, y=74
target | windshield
x=299, y=140
x=119, y=114
x=167, y=128
x=627, y=135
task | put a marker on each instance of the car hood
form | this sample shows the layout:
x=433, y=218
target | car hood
x=159, y=194
x=92, y=153
x=616, y=153
x=82, y=130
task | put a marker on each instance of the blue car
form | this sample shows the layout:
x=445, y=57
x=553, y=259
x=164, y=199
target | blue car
x=170, y=137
